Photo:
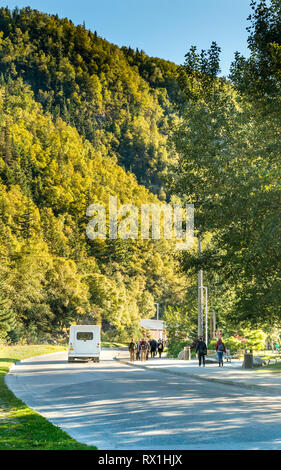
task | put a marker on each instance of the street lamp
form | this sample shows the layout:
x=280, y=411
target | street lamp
x=206, y=312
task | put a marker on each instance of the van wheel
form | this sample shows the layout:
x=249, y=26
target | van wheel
x=71, y=359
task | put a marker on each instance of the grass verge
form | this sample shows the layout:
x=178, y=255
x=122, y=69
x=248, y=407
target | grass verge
x=20, y=427
x=111, y=344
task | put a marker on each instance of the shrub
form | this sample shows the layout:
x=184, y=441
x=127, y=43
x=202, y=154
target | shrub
x=174, y=348
x=212, y=344
x=233, y=344
x=255, y=339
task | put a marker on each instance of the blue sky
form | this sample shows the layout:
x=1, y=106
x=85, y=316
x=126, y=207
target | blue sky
x=162, y=28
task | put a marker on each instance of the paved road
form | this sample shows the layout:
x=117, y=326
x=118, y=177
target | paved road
x=115, y=406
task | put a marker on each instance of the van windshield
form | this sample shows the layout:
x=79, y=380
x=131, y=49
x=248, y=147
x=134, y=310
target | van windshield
x=85, y=335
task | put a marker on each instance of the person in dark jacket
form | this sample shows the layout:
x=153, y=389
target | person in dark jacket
x=138, y=350
x=160, y=347
x=153, y=347
x=201, y=349
x=220, y=348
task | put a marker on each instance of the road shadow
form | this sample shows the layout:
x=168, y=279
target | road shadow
x=141, y=410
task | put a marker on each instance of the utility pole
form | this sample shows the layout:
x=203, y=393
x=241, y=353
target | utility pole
x=206, y=313
x=200, y=294
x=213, y=320
x=214, y=323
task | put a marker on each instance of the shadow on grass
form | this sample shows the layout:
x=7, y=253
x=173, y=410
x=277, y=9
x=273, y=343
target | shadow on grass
x=24, y=429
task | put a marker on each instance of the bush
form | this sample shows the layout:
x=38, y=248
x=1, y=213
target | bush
x=212, y=345
x=234, y=344
x=254, y=339
x=173, y=349
x=231, y=343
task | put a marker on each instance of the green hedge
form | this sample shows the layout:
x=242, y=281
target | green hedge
x=175, y=348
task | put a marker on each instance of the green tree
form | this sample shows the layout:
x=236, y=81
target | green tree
x=228, y=166
x=7, y=318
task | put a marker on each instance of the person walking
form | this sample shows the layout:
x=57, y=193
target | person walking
x=132, y=348
x=153, y=347
x=143, y=350
x=138, y=350
x=220, y=348
x=160, y=347
x=148, y=349
x=201, y=349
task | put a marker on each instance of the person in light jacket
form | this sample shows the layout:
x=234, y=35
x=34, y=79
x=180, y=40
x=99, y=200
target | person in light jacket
x=220, y=348
x=132, y=348
x=143, y=349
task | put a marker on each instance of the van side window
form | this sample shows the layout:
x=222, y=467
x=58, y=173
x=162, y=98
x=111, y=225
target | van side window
x=84, y=335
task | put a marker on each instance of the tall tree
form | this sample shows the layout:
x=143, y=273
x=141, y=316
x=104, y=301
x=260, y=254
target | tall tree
x=7, y=317
x=228, y=165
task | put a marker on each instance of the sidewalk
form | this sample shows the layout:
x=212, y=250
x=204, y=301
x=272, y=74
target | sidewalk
x=231, y=373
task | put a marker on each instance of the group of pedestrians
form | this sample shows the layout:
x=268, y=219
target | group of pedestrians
x=201, y=349
x=139, y=350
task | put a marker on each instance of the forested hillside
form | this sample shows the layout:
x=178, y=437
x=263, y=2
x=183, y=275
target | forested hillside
x=50, y=271
x=119, y=99
x=80, y=119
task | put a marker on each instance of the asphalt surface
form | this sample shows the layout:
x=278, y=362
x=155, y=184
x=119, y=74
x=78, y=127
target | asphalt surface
x=232, y=373
x=115, y=406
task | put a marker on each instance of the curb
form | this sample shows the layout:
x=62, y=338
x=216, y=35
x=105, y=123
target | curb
x=200, y=377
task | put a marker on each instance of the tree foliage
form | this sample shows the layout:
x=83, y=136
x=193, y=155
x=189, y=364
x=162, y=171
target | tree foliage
x=229, y=165
x=119, y=99
x=51, y=273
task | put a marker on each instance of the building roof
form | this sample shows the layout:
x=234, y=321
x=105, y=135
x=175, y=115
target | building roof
x=152, y=324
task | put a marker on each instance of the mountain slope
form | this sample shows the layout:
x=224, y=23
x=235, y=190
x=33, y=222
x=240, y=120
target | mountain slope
x=119, y=99
x=50, y=273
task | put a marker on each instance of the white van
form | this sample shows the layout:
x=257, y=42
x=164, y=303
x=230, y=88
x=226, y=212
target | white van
x=84, y=343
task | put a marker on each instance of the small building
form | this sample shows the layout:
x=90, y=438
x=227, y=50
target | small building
x=155, y=328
